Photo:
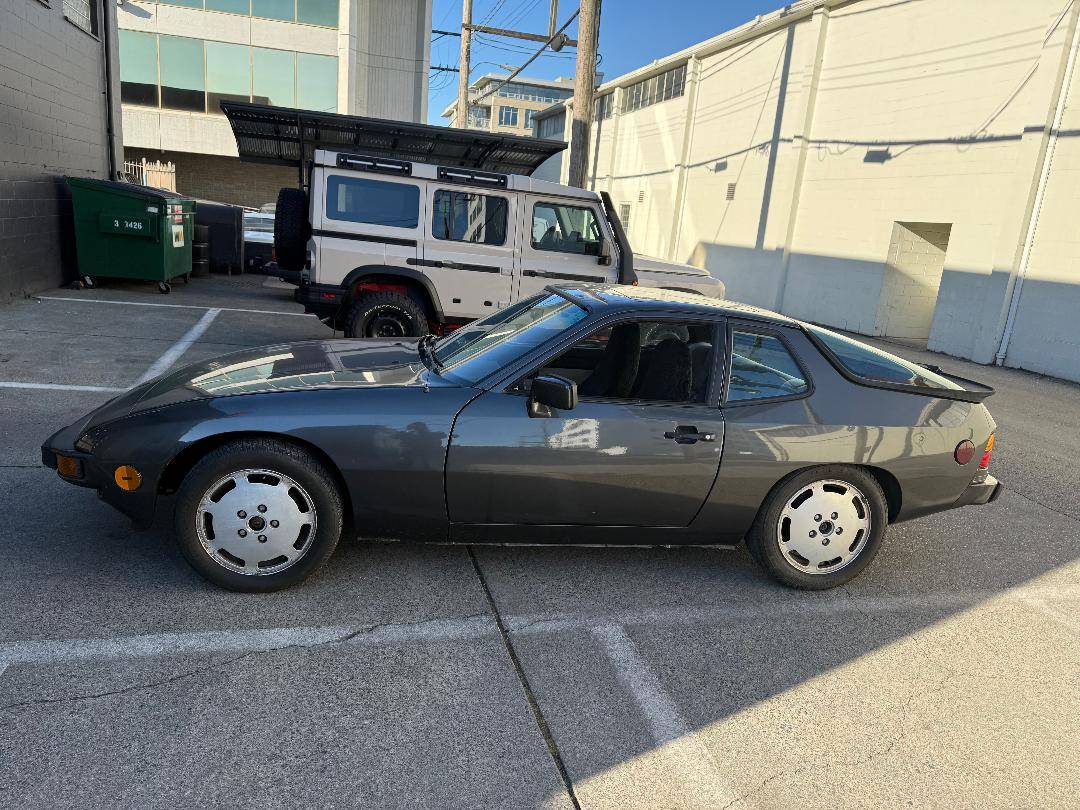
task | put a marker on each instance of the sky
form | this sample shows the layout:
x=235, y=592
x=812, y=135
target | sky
x=632, y=33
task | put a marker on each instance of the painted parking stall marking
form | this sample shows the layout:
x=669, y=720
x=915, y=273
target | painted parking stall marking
x=176, y=351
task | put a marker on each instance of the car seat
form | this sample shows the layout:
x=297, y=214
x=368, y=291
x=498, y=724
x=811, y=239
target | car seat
x=666, y=374
x=700, y=367
x=617, y=368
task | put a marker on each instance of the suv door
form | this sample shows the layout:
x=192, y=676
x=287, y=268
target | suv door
x=642, y=447
x=563, y=240
x=469, y=249
x=365, y=220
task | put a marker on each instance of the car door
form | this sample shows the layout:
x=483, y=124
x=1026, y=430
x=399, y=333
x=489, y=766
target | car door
x=469, y=249
x=562, y=240
x=632, y=459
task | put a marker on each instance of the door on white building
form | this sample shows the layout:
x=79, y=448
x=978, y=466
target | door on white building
x=562, y=241
x=912, y=280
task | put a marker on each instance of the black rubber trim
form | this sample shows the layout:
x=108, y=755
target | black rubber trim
x=564, y=276
x=476, y=268
x=366, y=237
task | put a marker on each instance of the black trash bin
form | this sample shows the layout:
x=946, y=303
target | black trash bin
x=225, y=228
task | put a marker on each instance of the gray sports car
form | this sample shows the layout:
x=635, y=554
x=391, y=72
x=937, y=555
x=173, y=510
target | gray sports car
x=602, y=415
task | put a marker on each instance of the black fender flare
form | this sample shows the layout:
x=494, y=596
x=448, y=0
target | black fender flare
x=360, y=273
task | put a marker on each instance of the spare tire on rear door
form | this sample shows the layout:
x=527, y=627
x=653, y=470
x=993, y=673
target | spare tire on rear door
x=292, y=229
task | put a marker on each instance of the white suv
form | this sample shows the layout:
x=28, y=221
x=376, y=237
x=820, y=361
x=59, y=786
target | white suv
x=392, y=248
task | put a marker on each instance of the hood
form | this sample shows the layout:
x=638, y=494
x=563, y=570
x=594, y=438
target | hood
x=283, y=367
x=651, y=264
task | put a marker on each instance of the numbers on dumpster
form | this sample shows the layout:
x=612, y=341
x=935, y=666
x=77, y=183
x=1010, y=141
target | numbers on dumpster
x=128, y=224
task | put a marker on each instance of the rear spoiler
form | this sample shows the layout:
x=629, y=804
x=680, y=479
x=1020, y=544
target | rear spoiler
x=626, y=255
x=973, y=391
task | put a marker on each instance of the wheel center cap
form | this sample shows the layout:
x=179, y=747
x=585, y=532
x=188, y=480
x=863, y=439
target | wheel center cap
x=257, y=523
x=826, y=527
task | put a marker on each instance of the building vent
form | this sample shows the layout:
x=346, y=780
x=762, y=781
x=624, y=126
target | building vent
x=624, y=215
x=641, y=196
x=730, y=191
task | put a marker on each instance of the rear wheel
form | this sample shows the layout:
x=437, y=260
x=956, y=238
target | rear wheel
x=820, y=528
x=258, y=515
x=385, y=315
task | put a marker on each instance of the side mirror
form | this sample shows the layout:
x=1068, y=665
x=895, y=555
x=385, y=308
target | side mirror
x=605, y=254
x=549, y=392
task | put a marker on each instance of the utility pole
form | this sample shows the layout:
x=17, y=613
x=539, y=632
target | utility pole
x=584, y=89
x=461, y=119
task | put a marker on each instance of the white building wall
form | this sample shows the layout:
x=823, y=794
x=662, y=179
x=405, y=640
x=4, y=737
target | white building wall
x=837, y=120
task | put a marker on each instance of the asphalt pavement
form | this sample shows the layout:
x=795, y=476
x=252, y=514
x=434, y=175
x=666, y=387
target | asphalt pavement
x=947, y=675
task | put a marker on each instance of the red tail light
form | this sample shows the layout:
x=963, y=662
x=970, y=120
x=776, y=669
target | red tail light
x=986, y=455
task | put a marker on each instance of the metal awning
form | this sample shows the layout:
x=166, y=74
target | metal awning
x=288, y=137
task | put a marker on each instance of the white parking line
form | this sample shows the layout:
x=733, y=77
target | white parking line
x=686, y=754
x=169, y=306
x=59, y=387
x=165, y=362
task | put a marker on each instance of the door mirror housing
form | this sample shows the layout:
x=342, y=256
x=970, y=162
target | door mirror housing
x=605, y=254
x=550, y=392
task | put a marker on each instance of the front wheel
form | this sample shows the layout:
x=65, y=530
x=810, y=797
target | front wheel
x=385, y=315
x=820, y=527
x=258, y=515
x=164, y=287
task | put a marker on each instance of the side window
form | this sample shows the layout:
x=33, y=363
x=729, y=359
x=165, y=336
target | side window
x=463, y=217
x=565, y=229
x=665, y=361
x=373, y=202
x=762, y=368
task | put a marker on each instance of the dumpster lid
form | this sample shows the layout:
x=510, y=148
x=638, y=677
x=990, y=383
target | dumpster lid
x=126, y=188
x=284, y=136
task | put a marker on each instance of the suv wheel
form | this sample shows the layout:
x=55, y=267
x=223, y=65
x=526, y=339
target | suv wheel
x=291, y=229
x=385, y=315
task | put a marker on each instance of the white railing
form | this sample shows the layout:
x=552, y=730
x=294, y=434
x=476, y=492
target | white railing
x=152, y=173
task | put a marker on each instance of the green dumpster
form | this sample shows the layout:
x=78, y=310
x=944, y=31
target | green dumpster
x=123, y=230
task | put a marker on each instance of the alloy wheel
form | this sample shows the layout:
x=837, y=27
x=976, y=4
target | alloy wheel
x=824, y=527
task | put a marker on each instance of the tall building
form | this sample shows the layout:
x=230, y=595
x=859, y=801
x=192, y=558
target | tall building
x=511, y=108
x=906, y=170
x=59, y=116
x=180, y=58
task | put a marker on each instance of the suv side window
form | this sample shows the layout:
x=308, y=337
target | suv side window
x=461, y=216
x=373, y=202
x=762, y=367
x=565, y=229
x=653, y=361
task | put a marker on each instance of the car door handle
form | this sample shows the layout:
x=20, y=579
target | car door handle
x=688, y=434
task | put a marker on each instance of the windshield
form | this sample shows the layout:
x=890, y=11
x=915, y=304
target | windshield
x=483, y=347
x=874, y=364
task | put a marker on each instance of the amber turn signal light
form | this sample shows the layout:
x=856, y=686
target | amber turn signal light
x=68, y=466
x=127, y=478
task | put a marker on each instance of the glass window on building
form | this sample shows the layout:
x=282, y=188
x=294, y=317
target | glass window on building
x=231, y=6
x=317, y=12
x=182, y=84
x=463, y=217
x=138, y=68
x=273, y=77
x=316, y=82
x=374, y=202
x=274, y=9
x=186, y=3
x=508, y=116
x=228, y=74
x=530, y=117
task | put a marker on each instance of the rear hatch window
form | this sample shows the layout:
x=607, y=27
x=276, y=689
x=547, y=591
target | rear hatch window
x=876, y=366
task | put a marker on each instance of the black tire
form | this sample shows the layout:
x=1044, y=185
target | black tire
x=292, y=229
x=164, y=287
x=766, y=542
x=385, y=315
x=200, y=252
x=277, y=456
x=200, y=268
x=202, y=234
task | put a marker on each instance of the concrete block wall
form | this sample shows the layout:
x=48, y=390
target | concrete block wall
x=52, y=124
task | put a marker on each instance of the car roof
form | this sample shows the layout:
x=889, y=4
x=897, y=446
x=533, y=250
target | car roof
x=625, y=297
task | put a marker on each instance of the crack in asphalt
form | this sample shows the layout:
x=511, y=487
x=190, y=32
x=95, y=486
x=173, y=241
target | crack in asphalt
x=1037, y=502
x=341, y=639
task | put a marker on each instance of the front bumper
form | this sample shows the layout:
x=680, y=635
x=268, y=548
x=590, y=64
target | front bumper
x=96, y=473
x=977, y=494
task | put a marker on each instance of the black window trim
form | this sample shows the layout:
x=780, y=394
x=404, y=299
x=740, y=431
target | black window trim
x=357, y=223
x=506, y=223
x=508, y=382
x=761, y=329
